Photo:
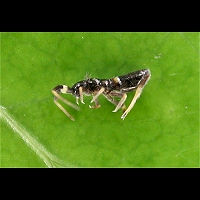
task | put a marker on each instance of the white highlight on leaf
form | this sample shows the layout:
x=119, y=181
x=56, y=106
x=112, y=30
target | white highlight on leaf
x=173, y=74
x=49, y=159
x=158, y=56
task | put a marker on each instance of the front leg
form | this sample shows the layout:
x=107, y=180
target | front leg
x=81, y=94
x=57, y=96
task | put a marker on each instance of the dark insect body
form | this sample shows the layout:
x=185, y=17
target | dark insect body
x=110, y=88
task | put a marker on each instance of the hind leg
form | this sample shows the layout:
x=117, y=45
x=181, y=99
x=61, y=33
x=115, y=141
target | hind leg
x=110, y=97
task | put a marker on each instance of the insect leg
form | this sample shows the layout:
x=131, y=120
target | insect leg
x=138, y=92
x=110, y=98
x=81, y=94
x=55, y=92
x=97, y=105
x=61, y=108
x=97, y=94
x=136, y=96
x=77, y=98
x=121, y=102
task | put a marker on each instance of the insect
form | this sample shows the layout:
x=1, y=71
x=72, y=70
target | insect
x=111, y=89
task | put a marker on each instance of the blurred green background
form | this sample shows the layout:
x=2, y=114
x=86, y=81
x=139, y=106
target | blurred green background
x=162, y=130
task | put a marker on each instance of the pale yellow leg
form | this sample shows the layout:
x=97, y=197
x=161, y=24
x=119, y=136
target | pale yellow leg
x=97, y=105
x=81, y=94
x=97, y=94
x=61, y=108
x=112, y=100
x=77, y=98
x=137, y=95
x=123, y=99
x=65, y=101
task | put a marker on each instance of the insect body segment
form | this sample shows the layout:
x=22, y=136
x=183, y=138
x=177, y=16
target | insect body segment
x=113, y=88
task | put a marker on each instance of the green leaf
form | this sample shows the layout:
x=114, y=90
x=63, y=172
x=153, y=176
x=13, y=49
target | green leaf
x=162, y=130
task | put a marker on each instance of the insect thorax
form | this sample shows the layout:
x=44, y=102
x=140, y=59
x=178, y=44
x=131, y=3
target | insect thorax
x=89, y=86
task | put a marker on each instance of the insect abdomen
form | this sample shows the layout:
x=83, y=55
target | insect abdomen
x=133, y=79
